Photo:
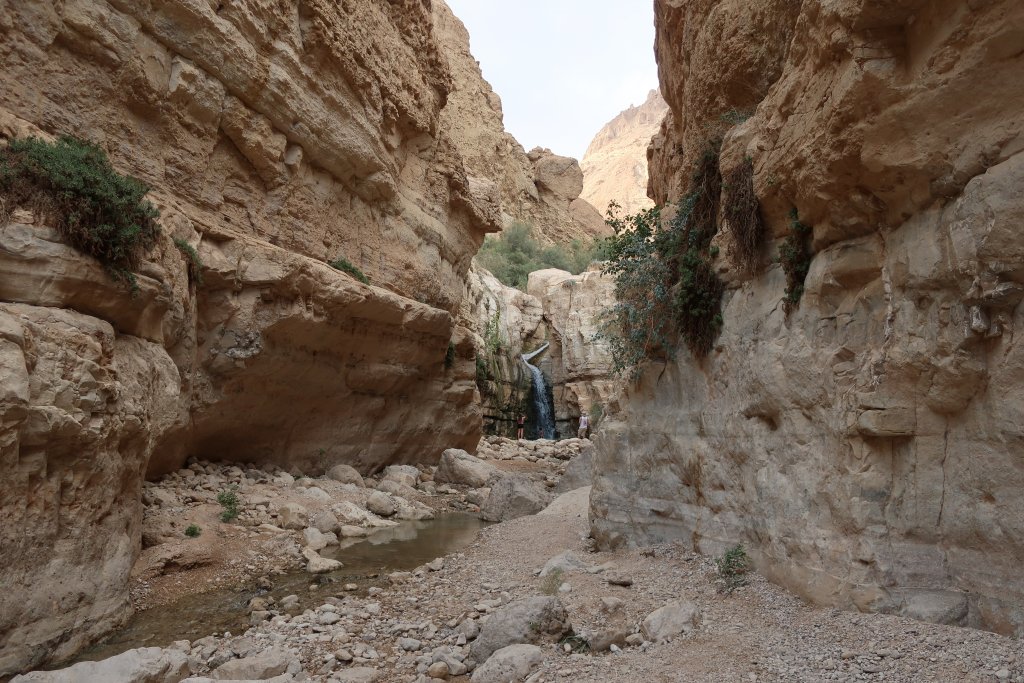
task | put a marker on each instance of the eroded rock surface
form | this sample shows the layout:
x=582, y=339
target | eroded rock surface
x=615, y=164
x=866, y=448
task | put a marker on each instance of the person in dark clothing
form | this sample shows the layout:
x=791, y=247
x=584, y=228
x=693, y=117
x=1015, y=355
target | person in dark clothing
x=521, y=422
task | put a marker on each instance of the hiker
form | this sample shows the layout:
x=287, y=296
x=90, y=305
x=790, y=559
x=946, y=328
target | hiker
x=584, y=430
x=521, y=421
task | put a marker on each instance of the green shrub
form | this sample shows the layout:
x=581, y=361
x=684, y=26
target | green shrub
x=665, y=283
x=71, y=183
x=228, y=499
x=795, y=255
x=343, y=265
x=513, y=255
x=192, y=260
x=492, y=334
x=743, y=213
x=193, y=531
x=733, y=568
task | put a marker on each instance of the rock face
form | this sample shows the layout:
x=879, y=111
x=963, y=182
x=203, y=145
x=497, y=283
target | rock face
x=865, y=448
x=541, y=188
x=275, y=138
x=578, y=363
x=615, y=164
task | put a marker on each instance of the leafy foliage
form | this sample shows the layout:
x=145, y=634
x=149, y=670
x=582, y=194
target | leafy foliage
x=345, y=266
x=515, y=254
x=193, y=531
x=195, y=264
x=665, y=282
x=228, y=500
x=733, y=568
x=492, y=334
x=71, y=183
x=795, y=255
x=743, y=213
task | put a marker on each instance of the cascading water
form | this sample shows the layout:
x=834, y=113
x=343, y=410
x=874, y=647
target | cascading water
x=545, y=415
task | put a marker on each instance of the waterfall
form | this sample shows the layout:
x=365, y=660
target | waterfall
x=545, y=414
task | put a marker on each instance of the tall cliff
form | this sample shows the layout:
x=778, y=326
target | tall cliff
x=867, y=446
x=539, y=188
x=276, y=137
x=615, y=164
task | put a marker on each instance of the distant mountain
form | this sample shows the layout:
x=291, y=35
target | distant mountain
x=615, y=165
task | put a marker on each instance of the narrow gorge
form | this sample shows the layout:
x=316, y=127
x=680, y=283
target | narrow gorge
x=772, y=408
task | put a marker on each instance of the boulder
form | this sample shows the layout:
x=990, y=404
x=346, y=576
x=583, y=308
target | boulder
x=293, y=516
x=144, y=665
x=565, y=563
x=396, y=489
x=459, y=467
x=380, y=503
x=325, y=521
x=407, y=475
x=530, y=620
x=512, y=497
x=267, y=664
x=346, y=474
x=358, y=674
x=509, y=664
x=315, y=564
x=578, y=473
x=315, y=539
x=677, y=617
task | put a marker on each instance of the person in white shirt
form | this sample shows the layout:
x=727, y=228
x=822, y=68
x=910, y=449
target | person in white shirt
x=584, y=430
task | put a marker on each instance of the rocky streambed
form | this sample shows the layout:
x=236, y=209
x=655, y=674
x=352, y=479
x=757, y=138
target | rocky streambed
x=527, y=598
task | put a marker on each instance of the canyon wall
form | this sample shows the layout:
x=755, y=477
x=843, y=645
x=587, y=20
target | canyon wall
x=539, y=188
x=865, y=448
x=615, y=163
x=276, y=138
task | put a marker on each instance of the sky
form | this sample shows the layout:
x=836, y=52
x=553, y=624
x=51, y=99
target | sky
x=563, y=68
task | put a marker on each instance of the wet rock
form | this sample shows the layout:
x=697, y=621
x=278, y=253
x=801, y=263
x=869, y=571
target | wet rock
x=315, y=539
x=512, y=663
x=530, y=620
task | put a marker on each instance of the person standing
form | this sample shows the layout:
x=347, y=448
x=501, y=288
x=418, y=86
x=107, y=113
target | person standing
x=584, y=430
x=522, y=423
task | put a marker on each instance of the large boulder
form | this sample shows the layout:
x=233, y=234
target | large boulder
x=402, y=474
x=459, y=467
x=346, y=474
x=144, y=665
x=514, y=496
x=267, y=664
x=509, y=664
x=293, y=516
x=380, y=503
x=315, y=564
x=530, y=620
x=675, y=618
x=578, y=473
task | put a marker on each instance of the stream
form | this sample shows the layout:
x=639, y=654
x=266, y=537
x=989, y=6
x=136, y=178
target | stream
x=367, y=562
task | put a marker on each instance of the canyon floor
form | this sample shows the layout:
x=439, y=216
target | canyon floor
x=422, y=625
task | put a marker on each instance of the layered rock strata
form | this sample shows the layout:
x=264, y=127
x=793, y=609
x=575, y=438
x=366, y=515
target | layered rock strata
x=865, y=448
x=539, y=188
x=275, y=139
x=615, y=164
x=578, y=361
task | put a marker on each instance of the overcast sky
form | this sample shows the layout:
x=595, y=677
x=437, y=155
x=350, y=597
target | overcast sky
x=563, y=68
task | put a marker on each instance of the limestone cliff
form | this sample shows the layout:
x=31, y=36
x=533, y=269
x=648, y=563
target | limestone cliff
x=275, y=137
x=867, y=446
x=541, y=188
x=615, y=164
x=578, y=361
